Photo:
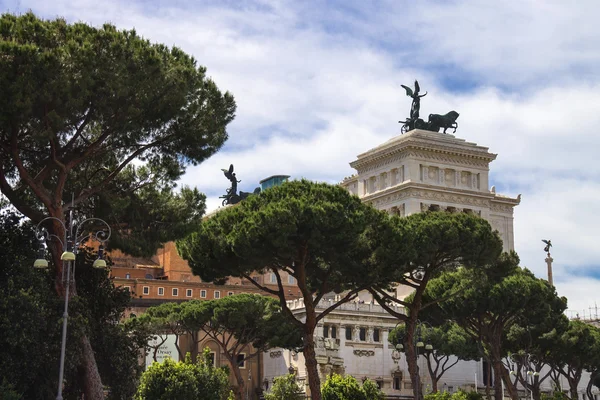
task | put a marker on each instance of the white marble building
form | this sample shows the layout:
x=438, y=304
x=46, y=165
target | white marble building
x=410, y=173
x=353, y=339
x=424, y=170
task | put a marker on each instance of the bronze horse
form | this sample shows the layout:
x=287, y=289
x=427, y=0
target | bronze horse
x=437, y=121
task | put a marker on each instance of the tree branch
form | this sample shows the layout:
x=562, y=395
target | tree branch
x=17, y=202
x=349, y=296
x=39, y=190
x=261, y=287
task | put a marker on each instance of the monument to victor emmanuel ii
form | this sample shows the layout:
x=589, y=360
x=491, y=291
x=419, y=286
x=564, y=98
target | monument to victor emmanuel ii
x=424, y=169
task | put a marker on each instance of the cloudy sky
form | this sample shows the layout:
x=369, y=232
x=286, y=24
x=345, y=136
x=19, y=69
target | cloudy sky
x=318, y=82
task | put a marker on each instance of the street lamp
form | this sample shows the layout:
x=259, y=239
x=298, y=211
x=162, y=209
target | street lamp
x=70, y=243
x=418, y=344
x=530, y=372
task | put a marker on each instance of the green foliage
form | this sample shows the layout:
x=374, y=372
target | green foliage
x=372, y=391
x=436, y=242
x=285, y=388
x=448, y=339
x=251, y=318
x=338, y=387
x=321, y=234
x=30, y=319
x=8, y=392
x=183, y=381
x=555, y=395
x=458, y=395
x=466, y=395
x=30, y=314
x=489, y=302
x=442, y=395
x=80, y=103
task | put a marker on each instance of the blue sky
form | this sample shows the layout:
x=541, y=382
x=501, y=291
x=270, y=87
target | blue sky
x=318, y=82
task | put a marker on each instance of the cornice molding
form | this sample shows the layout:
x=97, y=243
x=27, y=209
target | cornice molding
x=425, y=142
x=442, y=194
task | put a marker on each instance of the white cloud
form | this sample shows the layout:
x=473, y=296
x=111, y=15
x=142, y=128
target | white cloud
x=316, y=86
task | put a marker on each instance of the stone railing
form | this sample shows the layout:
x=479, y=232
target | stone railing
x=370, y=307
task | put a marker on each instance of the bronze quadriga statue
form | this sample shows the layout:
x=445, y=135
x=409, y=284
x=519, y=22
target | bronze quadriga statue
x=435, y=122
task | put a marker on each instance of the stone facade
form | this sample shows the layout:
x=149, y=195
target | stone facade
x=353, y=340
x=423, y=170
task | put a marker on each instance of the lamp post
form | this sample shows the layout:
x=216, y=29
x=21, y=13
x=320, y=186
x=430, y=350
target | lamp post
x=73, y=237
x=530, y=373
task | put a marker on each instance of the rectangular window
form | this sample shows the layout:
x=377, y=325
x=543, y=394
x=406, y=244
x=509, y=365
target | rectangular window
x=241, y=360
x=127, y=276
x=380, y=384
x=326, y=331
x=334, y=332
x=376, y=335
x=175, y=292
x=146, y=290
x=161, y=291
x=273, y=278
x=128, y=288
x=217, y=294
x=188, y=292
x=212, y=357
x=291, y=280
x=362, y=335
x=397, y=383
x=348, y=333
x=203, y=294
x=229, y=293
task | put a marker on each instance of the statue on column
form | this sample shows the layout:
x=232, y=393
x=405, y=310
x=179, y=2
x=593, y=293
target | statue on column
x=548, y=245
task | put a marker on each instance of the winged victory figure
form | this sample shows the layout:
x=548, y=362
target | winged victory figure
x=229, y=174
x=548, y=245
x=416, y=103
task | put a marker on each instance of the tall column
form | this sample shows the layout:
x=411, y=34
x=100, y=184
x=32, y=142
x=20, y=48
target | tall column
x=549, y=262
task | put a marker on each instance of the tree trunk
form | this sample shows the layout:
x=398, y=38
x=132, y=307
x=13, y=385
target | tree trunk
x=181, y=355
x=240, y=380
x=434, y=384
x=433, y=372
x=573, y=383
x=501, y=375
x=194, y=346
x=411, y=360
x=588, y=388
x=536, y=392
x=498, y=393
x=92, y=383
x=310, y=361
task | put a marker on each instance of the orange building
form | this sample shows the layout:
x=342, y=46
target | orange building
x=167, y=277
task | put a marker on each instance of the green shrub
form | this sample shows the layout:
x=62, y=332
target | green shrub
x=338, y=387
x=8, y=392
x=285, y=388
x=464, y=395
x=556, y=395
x=443, y=395
x=184, y=381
